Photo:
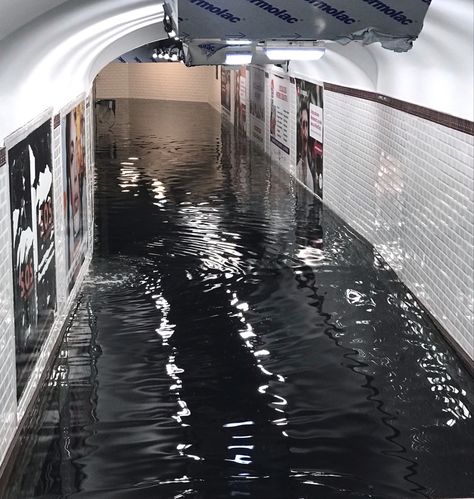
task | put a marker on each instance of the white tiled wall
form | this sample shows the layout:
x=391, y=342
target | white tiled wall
x=407, y=185
x=11, y=412
x=164, y=81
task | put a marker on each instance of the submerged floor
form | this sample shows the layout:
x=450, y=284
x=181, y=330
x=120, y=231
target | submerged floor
x=236, y=339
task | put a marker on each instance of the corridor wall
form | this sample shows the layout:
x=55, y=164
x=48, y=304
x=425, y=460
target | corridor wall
x=46, y=179
x=402, y=175
x=162, y=81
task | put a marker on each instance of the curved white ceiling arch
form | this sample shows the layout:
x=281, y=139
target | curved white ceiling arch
x=53, y=49
x=53, y=59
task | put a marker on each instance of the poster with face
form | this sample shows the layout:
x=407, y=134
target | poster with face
x=76, y=191
x=240, y=108
x=225, y=90
x=34, y=272
x=309, y=135
x=257, y=105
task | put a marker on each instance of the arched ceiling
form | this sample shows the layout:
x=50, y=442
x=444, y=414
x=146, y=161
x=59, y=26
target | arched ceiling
x=14, y=15
x=51, y=50
x=54, y=58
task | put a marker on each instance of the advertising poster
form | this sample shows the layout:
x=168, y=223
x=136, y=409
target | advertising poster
x=257, y=105
x=226, y=91
x=75, y=195
x=240, y=108
x=309, y=135
x=280, y=113
x=34, y=272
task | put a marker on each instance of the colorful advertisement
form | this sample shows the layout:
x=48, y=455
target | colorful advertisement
x=75, y=195
x=309, y=135
x=240, y=108
x=257, y=105
x=226, y=90
x=34, y=271
x=280, y=113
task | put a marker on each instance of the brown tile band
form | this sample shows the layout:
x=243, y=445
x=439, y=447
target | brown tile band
x=56, y=121
x=3, y=156
x=444, y=119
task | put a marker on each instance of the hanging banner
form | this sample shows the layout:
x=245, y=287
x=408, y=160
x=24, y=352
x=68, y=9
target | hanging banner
x=309, y=135
x=75, y=195
x=257, y=105
x=34, y=271
x=240, y=100
x=394, y=23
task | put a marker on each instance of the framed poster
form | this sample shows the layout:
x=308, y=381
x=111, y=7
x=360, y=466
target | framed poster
x=33, y=246
x=257, y=105
x=75, y=194
x=309, y=135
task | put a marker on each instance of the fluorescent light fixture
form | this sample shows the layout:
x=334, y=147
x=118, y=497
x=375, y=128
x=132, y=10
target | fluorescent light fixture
x=295, y=54
x=238, y=58
x=238, y=42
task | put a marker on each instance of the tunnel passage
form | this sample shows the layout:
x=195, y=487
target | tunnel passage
x=236, y=339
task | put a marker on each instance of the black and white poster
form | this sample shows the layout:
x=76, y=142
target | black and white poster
x=33, y=246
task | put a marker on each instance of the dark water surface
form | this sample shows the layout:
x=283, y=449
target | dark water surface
x=236, y=339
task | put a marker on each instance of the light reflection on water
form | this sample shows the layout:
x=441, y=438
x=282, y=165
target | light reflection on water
x=236, y=339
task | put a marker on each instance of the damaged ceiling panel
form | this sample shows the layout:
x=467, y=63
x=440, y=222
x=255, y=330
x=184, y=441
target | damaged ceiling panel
x=393, y=23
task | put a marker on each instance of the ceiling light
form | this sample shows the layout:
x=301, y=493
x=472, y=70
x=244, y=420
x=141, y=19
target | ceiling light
x=238, y=58
x=295, y=53
x=238, y=42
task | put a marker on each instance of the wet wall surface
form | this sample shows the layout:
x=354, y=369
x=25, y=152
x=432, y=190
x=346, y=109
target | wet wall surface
x=235, y=339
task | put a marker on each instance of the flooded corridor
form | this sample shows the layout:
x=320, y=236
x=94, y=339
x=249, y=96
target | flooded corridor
x=235, y=338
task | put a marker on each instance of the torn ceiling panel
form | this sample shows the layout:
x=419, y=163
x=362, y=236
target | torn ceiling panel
x=394, y=23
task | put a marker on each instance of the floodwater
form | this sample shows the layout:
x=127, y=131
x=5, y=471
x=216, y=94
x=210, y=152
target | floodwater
x=235, y=339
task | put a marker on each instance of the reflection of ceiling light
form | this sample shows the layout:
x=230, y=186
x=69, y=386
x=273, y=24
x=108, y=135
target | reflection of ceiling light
x=238, y=42
x=295, y=53
x=238, y=58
